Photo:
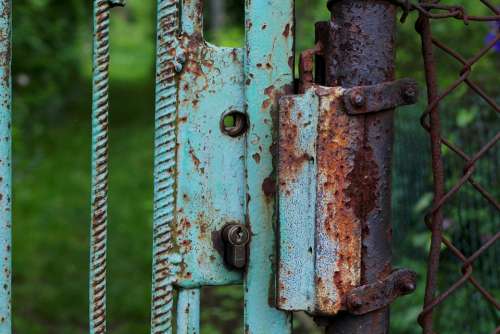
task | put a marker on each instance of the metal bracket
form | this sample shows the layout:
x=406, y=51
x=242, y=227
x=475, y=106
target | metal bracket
x=377, y=295
x=320, y=227
x=388, y=95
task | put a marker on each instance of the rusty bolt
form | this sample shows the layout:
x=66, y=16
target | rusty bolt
x=179, y=62
x=410, y=94
x=355, y=302
x=358, y=100
x=407, y=286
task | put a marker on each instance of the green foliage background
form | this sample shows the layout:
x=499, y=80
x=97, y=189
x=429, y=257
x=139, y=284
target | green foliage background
x=52, y=41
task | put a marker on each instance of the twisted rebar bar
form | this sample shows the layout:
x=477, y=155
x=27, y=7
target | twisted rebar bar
x=99, y=196
x=164, y=167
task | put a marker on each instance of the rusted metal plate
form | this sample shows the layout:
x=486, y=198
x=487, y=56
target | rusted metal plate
x=320, y=233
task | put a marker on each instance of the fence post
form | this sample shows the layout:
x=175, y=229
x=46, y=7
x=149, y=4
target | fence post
x=363, y=53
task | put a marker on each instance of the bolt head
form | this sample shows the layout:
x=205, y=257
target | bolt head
x=178, y=67
x=358, y=100
x=409, y=93
x=355, y=302
x=407, y=286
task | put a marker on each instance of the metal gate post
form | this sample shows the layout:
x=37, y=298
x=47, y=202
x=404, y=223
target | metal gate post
x=362, y=53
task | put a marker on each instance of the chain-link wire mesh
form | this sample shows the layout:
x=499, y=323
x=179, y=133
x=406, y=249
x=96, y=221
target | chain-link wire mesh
x=445, y=139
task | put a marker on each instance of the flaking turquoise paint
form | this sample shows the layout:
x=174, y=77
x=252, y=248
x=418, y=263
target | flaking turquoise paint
x=5, y=167
x=268, y=74
x=188, y=311
x=297, y=202
x=211, y=170
x=217, y=179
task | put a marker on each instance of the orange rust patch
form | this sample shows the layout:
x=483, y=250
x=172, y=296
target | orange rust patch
x=336, y=142
x=290, y=161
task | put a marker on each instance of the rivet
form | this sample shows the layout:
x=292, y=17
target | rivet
x=358, y=100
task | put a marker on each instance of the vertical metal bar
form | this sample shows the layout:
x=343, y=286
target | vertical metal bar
x=5, y=166
x=99, y=195
x=437, y=170
x=268, y=74
x=188, y=312
x=164, y=167
x=362, y=52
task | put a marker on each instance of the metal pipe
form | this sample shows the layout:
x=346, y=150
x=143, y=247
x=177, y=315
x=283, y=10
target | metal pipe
x=361, y=51
x=5, y=166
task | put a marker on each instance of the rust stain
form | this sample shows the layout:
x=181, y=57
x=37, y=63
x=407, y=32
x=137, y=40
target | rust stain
x=291, y=160
x=336, y=142
x=269, y=187
x=363, y=182
x=286, y=32
x=194, y=158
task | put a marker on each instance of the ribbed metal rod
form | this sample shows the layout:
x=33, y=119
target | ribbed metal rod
x=164, y=167
x=5, y=166
x=99, y=192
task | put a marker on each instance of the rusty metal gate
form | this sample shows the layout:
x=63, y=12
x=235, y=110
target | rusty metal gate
x=278, y=183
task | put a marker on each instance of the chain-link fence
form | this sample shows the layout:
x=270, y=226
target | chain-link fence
x=472, y=146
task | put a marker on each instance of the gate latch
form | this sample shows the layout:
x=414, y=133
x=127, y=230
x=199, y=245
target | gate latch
x=236, y=238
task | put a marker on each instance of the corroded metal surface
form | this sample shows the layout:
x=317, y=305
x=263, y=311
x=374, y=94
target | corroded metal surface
x=320, y=233
x=359, y=50
x=384, y=96
x=5, y=166
x=210, y=192
x=205, y=178
x=164, y=168
x=382, y=293
x=269, y=63
x=99, y=194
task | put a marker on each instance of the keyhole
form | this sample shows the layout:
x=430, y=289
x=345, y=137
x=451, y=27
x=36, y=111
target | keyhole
x=234, y=123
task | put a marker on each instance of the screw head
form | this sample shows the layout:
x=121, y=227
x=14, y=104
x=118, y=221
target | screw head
x=358, y=100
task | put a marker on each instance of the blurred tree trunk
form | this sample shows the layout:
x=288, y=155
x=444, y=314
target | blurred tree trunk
x=217, y=14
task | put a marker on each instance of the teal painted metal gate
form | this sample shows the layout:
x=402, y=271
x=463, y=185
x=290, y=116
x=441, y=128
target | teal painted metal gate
x=278, y=184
